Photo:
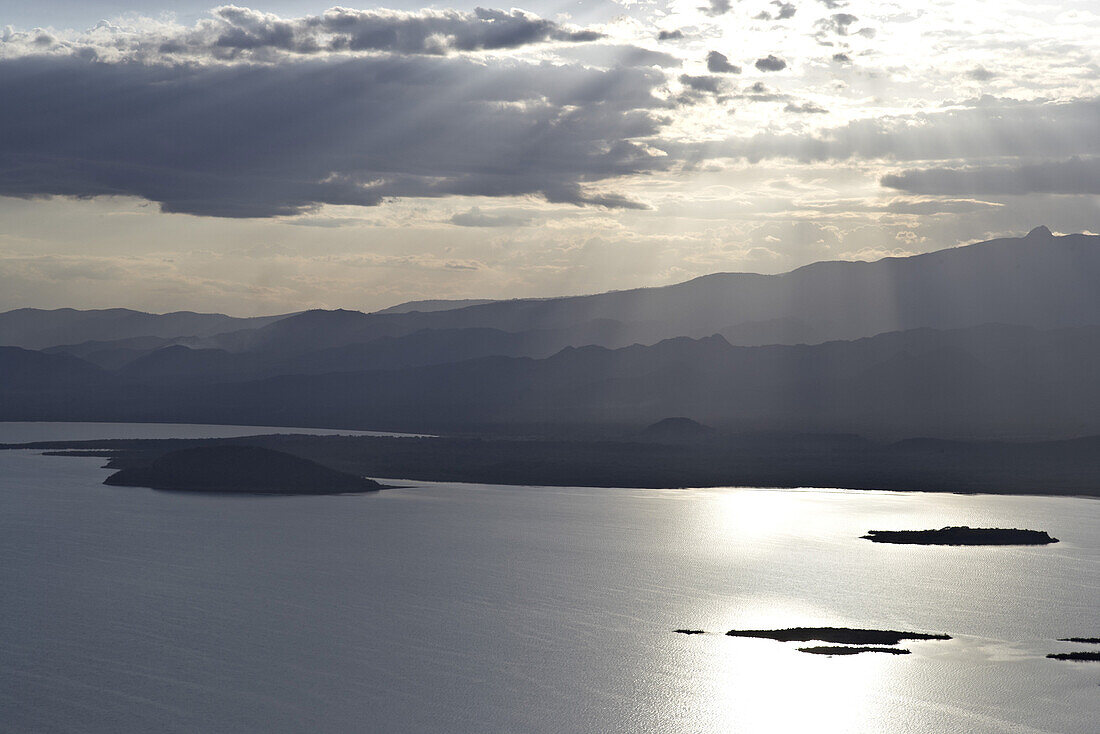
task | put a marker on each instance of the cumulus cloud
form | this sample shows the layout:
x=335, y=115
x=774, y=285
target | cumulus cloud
x=704, y=83
x=786, y=10
x=1074, y=176
x=246, y=140
x=981, y=74
x=761, y=92
x=235, y=33
x=837, y=23
x=771, y=63
x=716, y=8
x=806, y=108
x=718, y=64
x=675, y=35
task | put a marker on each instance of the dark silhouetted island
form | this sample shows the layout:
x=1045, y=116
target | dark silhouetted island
x=1078, y=657
x=842, y=650
x=690, y=632
x=235, y=468
x=837, y=635
x=677, y=430
x=1087, y=640
x=962, y=535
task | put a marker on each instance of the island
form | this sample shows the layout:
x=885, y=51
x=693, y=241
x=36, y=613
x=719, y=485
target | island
x=239, y=469
x=676, y=431
x=689, y=632
x=962, y=535
x=1086, y=640
x=1089, y=656
x=837, y=635
x=843, y=650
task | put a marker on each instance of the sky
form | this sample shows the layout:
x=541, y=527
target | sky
x=254, y=160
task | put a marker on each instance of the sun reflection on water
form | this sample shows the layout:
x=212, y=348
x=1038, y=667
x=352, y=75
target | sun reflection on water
x=751, y=685
x=759, y=685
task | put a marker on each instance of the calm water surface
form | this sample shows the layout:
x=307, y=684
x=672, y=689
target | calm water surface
x=469, y=608
x=30, y=431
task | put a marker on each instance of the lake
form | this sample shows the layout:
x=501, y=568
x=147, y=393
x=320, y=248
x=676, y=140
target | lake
x=475, y=608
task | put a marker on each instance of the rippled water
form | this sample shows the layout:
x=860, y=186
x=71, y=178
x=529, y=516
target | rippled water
x=467, y=608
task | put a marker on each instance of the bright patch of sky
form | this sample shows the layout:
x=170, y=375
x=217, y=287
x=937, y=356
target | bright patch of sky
x=306, y=157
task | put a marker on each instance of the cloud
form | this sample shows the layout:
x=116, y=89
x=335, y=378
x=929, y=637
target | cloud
x=837, y=23
x=786, y=10
x=247, y=140
x=474, y=217
x=1079, y=176
x=710, y=84
x=993, y=129
x=718, y=64
x=771, y=63
x=716, y=8
x=234, y=33
x=981, y=74
x=675, y=35
x=761, y=92
x=903, y=205
x=806, y=108
x=842, y=58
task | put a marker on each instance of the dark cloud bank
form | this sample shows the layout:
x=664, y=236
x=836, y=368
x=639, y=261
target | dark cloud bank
x=233, y=32
x=247, y=140
x=248, y=115
x=1077, y=176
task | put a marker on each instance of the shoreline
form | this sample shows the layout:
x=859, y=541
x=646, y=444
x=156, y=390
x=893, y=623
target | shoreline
x=788, y=462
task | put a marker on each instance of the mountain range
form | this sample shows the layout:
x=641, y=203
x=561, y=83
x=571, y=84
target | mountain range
x=995, y=339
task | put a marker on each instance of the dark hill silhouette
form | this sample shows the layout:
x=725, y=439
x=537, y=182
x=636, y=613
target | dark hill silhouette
x=34, y=328
x=25, y=370
x=434, y=305
x=237, y=468
x=421, y=348
x=677, y=430
x=983, y=382
x=112, y=354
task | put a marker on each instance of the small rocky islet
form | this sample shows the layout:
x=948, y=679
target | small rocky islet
x=854, y=641
x=1077, y=657
x=837, y=635
x=843, y=640
x=962, y=535
x=846, y=650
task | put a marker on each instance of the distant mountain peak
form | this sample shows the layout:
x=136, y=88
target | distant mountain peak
x=1042, y=232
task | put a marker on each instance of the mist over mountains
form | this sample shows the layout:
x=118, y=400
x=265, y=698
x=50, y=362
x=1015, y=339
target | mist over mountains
x=997, y=339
